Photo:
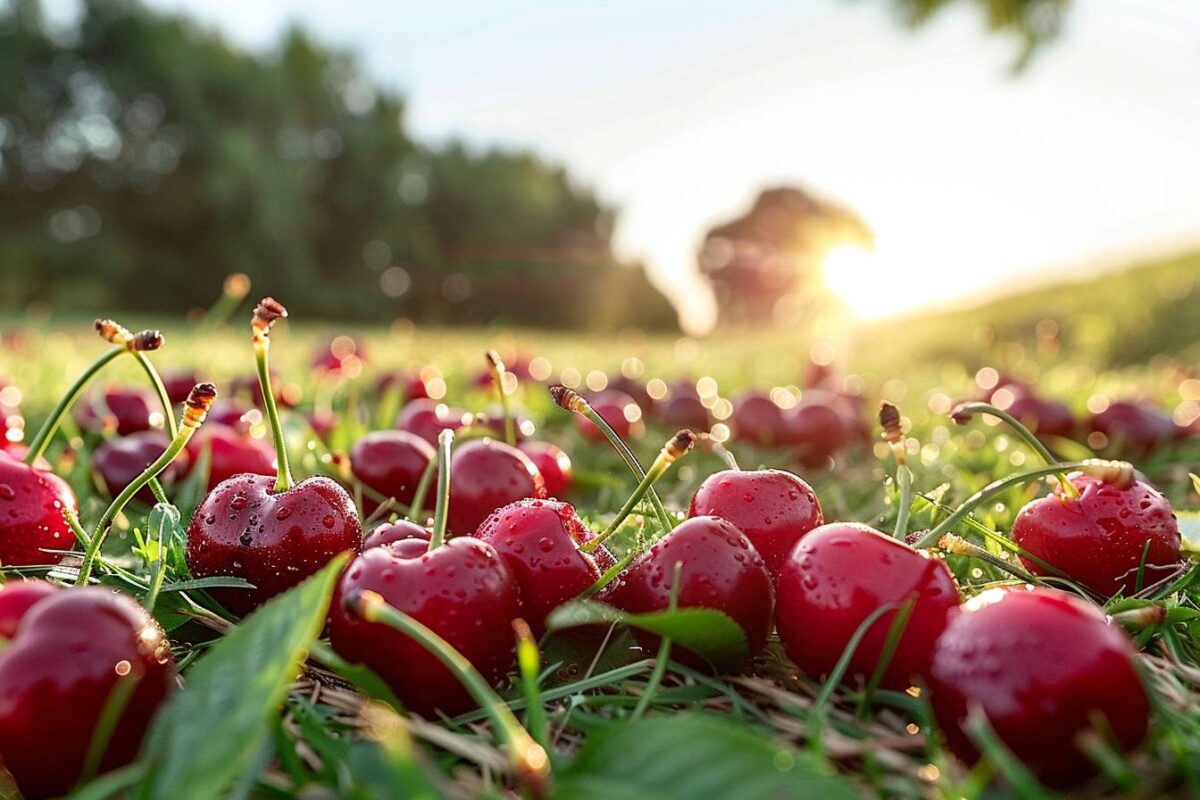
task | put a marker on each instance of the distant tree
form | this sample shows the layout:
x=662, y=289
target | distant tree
x=773, y=254
x=142, y=158
x=1032, y=22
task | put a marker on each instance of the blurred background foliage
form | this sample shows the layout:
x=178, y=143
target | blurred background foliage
x=142, y=157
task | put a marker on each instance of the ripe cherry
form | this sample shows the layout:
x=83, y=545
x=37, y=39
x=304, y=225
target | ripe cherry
x=553, y=464
x=427, y=418
x=118, y=461
x=271, y=531
x=758, y=420
x=395, y=532
x=1132, y=428
x=341, y=357
x=129, y=410
x=635, y=389
x=1043, y=417
x=69, y=653
x=461, y=589
x=1098, y=539
x=682, y=407
x=718, y=569
x=390, y=463
x=1041, y=666
x=32, y=501
x=410, y=386
x=817, y=432
x=230, y=453
x=773, y=508
x=179, y=384
x=539, y=541
x=16, y=598
x=619, y=410
x=841, y=573
x=485, y=475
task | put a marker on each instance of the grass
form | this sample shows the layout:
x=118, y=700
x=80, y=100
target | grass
x=334, y=738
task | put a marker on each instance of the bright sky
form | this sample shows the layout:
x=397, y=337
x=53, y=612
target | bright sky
x=679, y=112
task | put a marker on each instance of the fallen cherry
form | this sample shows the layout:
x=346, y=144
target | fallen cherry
x=485, y=475
x=683, y=408
x=427, y=418
x=1041, y=416
x=1132, y=428
x=397, y=531
x=118, y=461
x=619, y=410
x=816, y=431
x=69, y=654
x=553, y=464
x=129, y=410
x=390, y=463
x=841, y=573
x=179, y=384
x=16, y=598
x=1041, y=667
x=32, y=502
x=757, y=419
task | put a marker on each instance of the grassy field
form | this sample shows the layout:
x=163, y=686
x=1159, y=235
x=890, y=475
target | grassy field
x=1124, y=335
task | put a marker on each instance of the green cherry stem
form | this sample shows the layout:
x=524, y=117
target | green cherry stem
x=160, y=390
x=930, y=538
x=266, y=313
x=194, y=412
x=528, y=759
x=498, y=370
x=893, y=434
x=672, y=451
x=441, y=513
x=571, y=400
x=963, y=412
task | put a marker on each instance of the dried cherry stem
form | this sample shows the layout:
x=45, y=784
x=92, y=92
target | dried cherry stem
x=675, y=449
x=441, y=513
x=125, y=342
x=572, y=401
x=962, y=413
x=529, y=761
x=931, y=537
x=498, y=371
x=195, y=410
x=893, y=434
x=266, y=313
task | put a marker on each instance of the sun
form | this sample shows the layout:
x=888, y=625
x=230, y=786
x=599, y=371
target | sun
x=857, y=277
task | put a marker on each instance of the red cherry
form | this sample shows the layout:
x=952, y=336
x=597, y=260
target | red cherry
x=518, y=366
x=772, y=507
x=230, y=413
x=273, y=540
x=719, y=569
x=395, y=532
x=836, y=577
x=635, y=389
x=1040, y=664
x=179, y=385
x=31, y=514
x=485, y=475
x=539, y=541
x=68, y=654
x=16, y=598
x=132, y=410
x=391, y=463
x=462, y=590
x=758, y=420
x=682, y=407
x=427, y=418
x=231, y=453
x=1098, y=538
x=1043, y=417
x=1133, y=428
x=616, y=408
x=341, y=356
x=119, y=461
x=552, y=463
x=817, y=431
x=411, y=387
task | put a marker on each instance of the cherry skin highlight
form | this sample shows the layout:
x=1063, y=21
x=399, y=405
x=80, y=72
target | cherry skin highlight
x=837, y=576
x=118, y=462
x=553, y=464
x=1098, y=538
x=719, y=569
x=32, y=501
x=462, y=590
x=68, y=654
x=485, y=475
x=539, y=541
x=273, y=540
x=1039, y=664
x=773, y=508
x=390, y=463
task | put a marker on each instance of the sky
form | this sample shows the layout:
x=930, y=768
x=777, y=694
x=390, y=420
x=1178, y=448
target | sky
x=678, y=113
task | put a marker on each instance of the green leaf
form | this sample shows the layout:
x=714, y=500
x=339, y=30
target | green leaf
x=693, y=757
x=209, y=733
x=1189, y=530
x=709, y=634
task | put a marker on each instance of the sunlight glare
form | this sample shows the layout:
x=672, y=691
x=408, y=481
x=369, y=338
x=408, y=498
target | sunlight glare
x=857, y=277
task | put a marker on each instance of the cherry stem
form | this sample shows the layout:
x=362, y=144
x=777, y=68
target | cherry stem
x=904, y=480
x=194, y=413
x=262, y=349
x=160, y=390
x=528, y=758
x=986, y=493
x=672, y=451
x=414, y=508
x=441, y=511
x=964, y=411
x=37, y=447
x=498, y=370
x=722, y=452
